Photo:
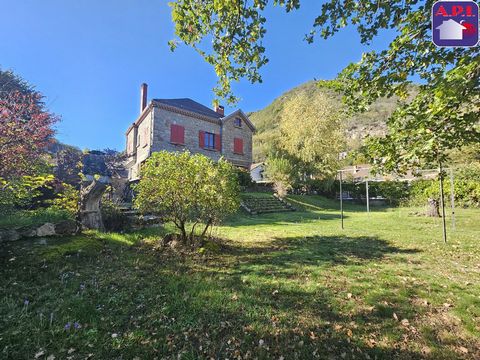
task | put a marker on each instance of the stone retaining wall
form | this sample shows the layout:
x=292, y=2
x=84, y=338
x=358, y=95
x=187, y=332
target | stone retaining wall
x=66, y=227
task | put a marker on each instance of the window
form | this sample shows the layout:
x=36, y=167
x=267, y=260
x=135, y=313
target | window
x=238, y=122
x=177, y=134
x=209, y=142
x=238, y=146
x=145, y=136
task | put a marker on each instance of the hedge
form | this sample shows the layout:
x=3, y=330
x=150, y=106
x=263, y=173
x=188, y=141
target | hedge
x=414, y=193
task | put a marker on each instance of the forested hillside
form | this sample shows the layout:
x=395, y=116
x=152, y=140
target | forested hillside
x=267, y=120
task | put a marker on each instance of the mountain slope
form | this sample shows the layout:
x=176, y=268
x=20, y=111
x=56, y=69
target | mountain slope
x=267, y=120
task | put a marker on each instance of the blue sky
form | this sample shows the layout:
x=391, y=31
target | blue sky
x=89, y=58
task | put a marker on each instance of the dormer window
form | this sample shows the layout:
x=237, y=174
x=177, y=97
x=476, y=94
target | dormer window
x=238, y=122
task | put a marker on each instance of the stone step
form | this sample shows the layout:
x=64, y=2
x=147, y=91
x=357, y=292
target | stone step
x=261, y=205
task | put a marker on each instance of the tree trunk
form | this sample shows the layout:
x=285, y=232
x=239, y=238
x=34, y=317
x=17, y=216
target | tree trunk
x=90, y=196
x=432, y=209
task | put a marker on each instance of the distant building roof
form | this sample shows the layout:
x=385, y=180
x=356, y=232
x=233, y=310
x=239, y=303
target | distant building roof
x=362, y=172
x=189, y=105
x=254, y=166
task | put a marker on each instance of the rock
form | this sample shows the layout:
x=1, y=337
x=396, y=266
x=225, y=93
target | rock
x=67, y=227
x=432, y=208
x=174, y=244
x=26, y=232
x=47, y=229
x=9, y=235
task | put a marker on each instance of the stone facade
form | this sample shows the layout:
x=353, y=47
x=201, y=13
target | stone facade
x=152, y=132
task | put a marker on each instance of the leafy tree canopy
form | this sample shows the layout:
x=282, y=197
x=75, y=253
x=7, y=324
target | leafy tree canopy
x=26, y=127
x=10, y=82
x=443, y=115
x=309, y=139
x=187, y=190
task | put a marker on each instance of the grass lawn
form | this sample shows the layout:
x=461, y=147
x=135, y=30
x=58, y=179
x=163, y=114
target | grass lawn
x=285, y=286
x=29, y=218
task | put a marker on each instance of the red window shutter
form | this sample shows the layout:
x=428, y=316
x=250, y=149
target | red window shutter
x=238, y=146
x=201, y=139
x=218, y=142
x=177, y=134
x=181, y=135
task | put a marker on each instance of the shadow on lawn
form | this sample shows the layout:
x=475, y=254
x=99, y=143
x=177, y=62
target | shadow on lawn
x=249, y=302
x=317, y=250
x=297, y=217
x=255, y=302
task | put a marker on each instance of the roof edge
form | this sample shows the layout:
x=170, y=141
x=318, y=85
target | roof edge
x=142, y=116
x=243, y=115
x=185, y=112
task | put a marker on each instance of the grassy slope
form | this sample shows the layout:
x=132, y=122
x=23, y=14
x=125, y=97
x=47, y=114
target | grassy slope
x=291, y=285
x=266, y=120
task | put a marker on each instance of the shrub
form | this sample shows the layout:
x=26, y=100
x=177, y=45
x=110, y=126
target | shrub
x=394, y=192
x=281, y=171
x=19, y=193
x=67, y=199
x=244, y=178
x=187, y=189
x=467, y=192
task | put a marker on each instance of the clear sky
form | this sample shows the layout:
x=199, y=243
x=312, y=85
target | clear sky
x=89, y=58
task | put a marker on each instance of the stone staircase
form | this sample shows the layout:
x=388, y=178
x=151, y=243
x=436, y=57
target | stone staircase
x=263, y=205
x=136, y=219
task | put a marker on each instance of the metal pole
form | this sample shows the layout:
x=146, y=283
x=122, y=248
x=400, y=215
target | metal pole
x=341, y=198
x=452, y=198
x=442, y=199
x=368, y=199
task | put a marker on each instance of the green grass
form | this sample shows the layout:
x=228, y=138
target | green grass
x=291, y=285
x=29, y=218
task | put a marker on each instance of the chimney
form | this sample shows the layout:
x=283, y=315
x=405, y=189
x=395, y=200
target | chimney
x=143, y=97
x=219, y=109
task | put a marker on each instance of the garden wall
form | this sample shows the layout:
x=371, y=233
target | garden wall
x=62, y=228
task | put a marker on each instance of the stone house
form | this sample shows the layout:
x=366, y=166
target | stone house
x=184, y=124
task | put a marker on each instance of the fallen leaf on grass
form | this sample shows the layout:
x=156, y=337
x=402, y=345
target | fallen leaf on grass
x=371, y=343
x=463, y=349
x=426, y=350
x=40, y=353
x=395, y=316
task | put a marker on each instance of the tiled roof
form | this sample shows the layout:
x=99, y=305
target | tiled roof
x=189, y=105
